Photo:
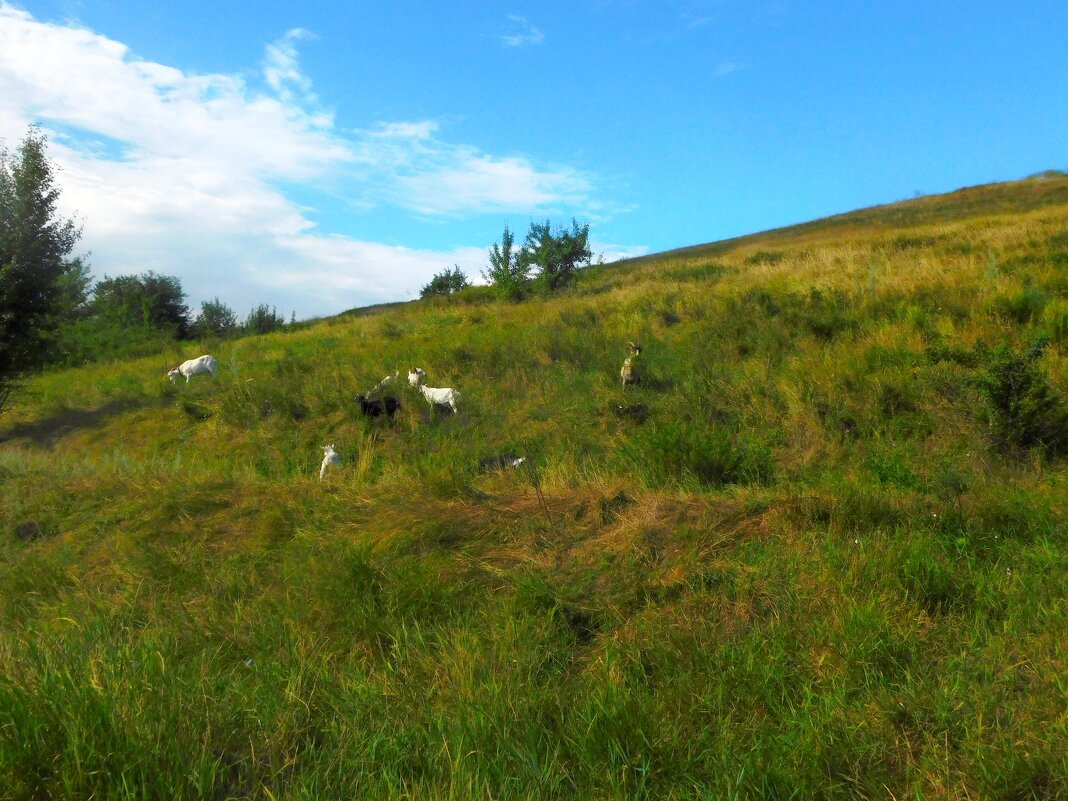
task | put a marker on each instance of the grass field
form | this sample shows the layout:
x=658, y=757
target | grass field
x=830, y=563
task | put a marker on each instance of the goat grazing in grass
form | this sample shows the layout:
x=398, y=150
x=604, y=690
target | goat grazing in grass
x=376, y=408
x=192, y=367
x=389, y=380
x=416, y=376
x=329, y=457
x=445, y=396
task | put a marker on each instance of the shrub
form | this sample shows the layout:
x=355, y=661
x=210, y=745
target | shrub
x=445, y=283
x=1027, y=411
x=149, y=300
x=264, y=320
x=557, y=253
x=508, y=271
x=828, y=315
x=890, y=469
x=215, y=319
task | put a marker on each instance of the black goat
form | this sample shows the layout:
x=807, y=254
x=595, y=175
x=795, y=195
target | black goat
x=639, y=412
x=376, y=408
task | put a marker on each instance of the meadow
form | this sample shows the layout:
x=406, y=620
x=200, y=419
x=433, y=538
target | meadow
x=828, y=560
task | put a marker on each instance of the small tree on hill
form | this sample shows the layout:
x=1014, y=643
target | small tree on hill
x=150, y=300
x=508, y=271
x=445, y=283
x=557, y=253
x=215, y=319
x=264, y=320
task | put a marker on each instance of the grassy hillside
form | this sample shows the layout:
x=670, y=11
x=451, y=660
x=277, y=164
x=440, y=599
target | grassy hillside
x=830, y=563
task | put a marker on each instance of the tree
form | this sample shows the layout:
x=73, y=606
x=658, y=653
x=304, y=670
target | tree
x=445, y=283
x=215, y=319
x=558, y=253
x=75, y=286
x=263, y=320
x=35, y=246
x=508, y=271
x=148, y=300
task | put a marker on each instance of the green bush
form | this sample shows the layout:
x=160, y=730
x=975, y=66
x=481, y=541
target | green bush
x=891, y=469
x=1027, y=411
x=445, y=283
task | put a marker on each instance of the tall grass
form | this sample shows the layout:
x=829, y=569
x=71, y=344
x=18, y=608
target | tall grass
x=826, y=561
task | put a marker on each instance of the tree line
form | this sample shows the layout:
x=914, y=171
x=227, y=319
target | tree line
x=546, y=262
x=52, y=312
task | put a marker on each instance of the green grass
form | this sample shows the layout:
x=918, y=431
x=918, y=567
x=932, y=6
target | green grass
x=829, y=564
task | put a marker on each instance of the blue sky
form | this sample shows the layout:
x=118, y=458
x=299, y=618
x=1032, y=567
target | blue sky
x=326, y=155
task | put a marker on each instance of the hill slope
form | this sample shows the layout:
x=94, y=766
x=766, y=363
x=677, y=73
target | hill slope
x=823, y=555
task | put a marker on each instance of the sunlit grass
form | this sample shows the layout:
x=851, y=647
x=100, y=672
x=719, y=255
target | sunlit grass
x=822, y=566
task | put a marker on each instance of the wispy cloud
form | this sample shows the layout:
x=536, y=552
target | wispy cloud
x=520, y=33
x=183, y=173
x=281, y=68
x=727, y=67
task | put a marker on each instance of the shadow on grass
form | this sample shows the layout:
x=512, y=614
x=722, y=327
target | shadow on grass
x=49, y=430
x=655, y=384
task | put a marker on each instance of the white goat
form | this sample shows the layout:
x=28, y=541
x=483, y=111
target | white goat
x=329, y=457
x=205, y=364
x=445, y=396
x=381, y=385
x=415, y=376
x=630, y=372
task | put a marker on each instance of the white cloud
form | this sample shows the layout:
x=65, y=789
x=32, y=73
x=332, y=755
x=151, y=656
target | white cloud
x=466, y=179
x=520, y=33
x=281, y=66
x=181, y=173
x=611, y=253
x=726, y=68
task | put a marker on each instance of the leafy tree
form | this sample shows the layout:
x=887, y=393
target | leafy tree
x=557, y=253
x=263, y=320
x=75, y=287
x=37, y=276
x=215, y=319
x=150, y=300
x=445, y=283
x=508, y=269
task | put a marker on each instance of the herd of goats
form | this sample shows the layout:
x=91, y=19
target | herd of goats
x=374, y=404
